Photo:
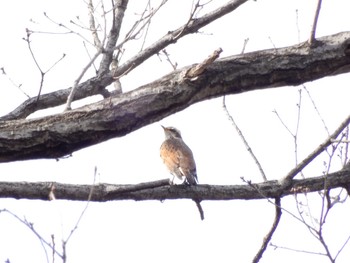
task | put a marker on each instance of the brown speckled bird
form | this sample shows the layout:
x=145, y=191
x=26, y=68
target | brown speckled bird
x=178, y=157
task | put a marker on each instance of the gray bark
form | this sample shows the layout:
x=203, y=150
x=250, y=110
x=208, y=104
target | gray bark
x=161, y=190
x=61, y=134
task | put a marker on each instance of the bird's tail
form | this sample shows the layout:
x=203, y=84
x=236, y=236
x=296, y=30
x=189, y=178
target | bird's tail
x=200, y=209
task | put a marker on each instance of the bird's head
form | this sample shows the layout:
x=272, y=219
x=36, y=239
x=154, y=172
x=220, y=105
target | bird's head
x=171, y=132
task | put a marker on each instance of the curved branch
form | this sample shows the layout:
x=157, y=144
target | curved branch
x=58, y=135
x=161, y=190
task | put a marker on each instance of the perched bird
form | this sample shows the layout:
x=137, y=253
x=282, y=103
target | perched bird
x=178, y=157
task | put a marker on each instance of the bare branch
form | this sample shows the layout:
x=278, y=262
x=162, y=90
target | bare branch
x=175, y=35
x=298, y=250
x=76, y=82
x=244, y=45
x=59, y=135
x=198, y=69
x=297, y=23
x=293, y=134
x=161, y=190
x=42, y=73
x=93, y=29
x=31, y=227
x=18, y=86
x=69, y=31
x=64, y=242
x=318, y=150
x=342, y=247
x=312, y=38
x=167, y=56
x=249, y=149
x=267, y=238
x=118, y=15
x=316, y=109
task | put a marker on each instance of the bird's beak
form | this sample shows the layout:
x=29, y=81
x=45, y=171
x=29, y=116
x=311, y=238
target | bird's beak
x=162, y=127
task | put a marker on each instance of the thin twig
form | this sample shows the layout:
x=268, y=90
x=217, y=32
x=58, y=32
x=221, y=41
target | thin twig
x=293, y=134
x=298, y=250
x=296, y=133
x=282, y=122
x=244, y=45
x=173, y=65
x=173, y=36
x=31, y=227
x=42, y=72
x=93, y=29
x=69, y=31
x=76, y=82
x=297, y=23
x=274, y=204
x=192, y=14
x=133, y=33
x=249, y=149
x=18, y=86
x=53, y=250
x=316, y=109
x=267, y=238
x=318, y=150
x=323, y=242
x=342, y=247
x=311, y=229
x=64, y=242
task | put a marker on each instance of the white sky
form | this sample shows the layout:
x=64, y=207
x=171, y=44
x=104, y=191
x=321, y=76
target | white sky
x=171, y=231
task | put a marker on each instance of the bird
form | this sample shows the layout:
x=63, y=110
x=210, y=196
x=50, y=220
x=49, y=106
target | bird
x=178, y=157
x=179, y=160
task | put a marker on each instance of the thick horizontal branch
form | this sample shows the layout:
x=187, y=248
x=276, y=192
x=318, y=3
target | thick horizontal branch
x=61, y=134
x=161, y=190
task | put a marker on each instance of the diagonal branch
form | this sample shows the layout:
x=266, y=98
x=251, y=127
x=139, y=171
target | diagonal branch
x=278, y=214
x=246, y=144
x=318, y=150
x=59, y=97
x=171, y=37
x=59, y=135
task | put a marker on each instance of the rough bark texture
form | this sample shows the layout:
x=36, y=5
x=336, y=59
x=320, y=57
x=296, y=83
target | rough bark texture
x=161, y=190
x=61, y=134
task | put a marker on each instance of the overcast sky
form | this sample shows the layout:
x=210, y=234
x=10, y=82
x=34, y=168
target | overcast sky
x=171, y=231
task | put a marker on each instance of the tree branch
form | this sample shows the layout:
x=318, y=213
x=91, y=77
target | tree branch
x=299, y=167
x=59, y=97
x=161, y=190
x=314, y=25
x=278, y=214
x=192, y=26
x=118, y=12
x=59, y=135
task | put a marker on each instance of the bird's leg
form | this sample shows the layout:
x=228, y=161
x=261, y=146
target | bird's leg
x=185, y=182
x=171, y=182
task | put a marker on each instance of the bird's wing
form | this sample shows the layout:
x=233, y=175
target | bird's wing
x=178, y=157
x=169, y=152
x=187, y=164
